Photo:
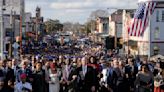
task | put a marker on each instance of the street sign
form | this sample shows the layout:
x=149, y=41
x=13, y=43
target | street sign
x=5, y=52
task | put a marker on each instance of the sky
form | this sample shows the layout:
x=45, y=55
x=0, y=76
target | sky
x=75, y=10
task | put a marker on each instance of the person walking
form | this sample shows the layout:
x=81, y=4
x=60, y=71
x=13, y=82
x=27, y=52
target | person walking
x=54, y=83
x=23, y=85
x=4, y=88
x=144, y=80
x=38, y=79
x=159, y=82
x=87, y=77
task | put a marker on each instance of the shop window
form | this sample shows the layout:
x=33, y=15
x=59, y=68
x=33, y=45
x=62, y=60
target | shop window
x=157, y=16
x=163, y=16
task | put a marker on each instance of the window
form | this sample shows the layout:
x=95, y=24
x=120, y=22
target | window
x=163, y=16
x=157, y=16
x=156, y=33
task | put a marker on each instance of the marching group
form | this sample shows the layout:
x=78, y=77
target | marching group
x=94, y=72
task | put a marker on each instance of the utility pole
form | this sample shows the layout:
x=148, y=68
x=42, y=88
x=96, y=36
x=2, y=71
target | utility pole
x=11, y=33
x=115, y=37
x=21, y=25
x=2, y=30
x=36, y=28
x=12, y=25
x=1, y=34
x=20, y=34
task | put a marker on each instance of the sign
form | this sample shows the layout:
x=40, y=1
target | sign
x=5, y=52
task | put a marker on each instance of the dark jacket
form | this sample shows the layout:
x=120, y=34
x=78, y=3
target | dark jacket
x=73, y=83
x=7, y=89
x=9, y=76
x=90, y=79
x=38, y=81
x=1, y=73
x=111, y=78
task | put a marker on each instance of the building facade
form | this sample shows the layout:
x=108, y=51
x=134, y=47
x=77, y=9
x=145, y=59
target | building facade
x=12, y=10
x=126, y=21
x=152, y=41
x=115, y=23
x=102, y=25
x=102, y=29
x=115, y=27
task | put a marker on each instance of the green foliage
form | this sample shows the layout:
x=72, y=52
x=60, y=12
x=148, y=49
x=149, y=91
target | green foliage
x=53, y=25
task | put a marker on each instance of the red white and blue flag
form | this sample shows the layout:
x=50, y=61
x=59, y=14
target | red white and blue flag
x=141, y=18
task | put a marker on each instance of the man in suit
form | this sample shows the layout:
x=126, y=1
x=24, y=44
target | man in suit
x=73, y=87
x=38, y=78
x=110, y=76
x=15, y=66
x=8, y=73
x=87, y=77
x=130, y=69
x=3, y=88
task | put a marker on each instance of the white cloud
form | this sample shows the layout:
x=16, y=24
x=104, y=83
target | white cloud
x=75, y=10
x=71, y=5
x=90, y=4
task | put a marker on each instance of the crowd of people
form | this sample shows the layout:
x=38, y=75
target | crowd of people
x=94, y=70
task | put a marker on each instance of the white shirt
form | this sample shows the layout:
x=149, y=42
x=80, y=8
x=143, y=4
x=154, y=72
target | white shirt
x=15, y=69
x=20, y=85
x=84, y=70
x=104, y=72
x=5, y=69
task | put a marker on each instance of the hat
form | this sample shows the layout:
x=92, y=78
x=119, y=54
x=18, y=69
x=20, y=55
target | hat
x=23, y=76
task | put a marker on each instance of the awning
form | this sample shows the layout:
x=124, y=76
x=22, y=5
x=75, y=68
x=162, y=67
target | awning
x=155, y=58
x=103, y=35
x=131, y=43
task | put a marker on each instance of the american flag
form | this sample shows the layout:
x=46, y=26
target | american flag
x=141, y=19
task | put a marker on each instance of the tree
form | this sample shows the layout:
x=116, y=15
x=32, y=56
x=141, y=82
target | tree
x=53, y=25
x=91, y=22
x=98, y=13
x=88, y=27
x=76, y=28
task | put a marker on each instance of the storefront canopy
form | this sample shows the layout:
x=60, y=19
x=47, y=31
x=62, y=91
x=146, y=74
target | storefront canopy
x=156, y=57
